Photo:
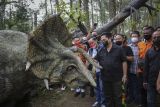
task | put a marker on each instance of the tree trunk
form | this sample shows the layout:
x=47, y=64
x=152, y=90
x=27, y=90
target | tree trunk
x=157, y=16
x=92, y=17
x=46, y=7
x=119, y=18
x=102, y=11
x=2, y=14
x=10, y=16
x=57, y=6
x=119, y=5
x=133, y=21
x=51, y=6
x=35, y=19
x=112, y=10
x=80, y=3
x=3, y=4
x=71, y=5
x=86, y=10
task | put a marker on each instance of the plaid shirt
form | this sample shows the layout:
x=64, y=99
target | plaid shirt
x=134, y=64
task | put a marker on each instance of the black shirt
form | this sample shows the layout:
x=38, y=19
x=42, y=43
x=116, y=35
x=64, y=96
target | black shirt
x=128, y=51
x=111, y=63
x=152, y=66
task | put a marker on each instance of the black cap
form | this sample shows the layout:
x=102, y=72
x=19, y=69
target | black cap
x=107, y=34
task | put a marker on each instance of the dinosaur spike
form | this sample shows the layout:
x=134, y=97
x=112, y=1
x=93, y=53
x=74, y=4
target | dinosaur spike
x=89, y=59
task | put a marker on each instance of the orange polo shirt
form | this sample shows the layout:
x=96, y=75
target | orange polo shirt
x=143, y=47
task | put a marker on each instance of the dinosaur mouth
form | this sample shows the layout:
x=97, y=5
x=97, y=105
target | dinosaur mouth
x=73, y=77
x=76, y=83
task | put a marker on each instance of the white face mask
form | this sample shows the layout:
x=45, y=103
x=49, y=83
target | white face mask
x=134, y=39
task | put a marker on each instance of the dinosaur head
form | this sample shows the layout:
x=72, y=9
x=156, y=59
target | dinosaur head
x=50, y=58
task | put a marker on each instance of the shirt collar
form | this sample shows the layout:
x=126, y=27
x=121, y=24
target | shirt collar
x=114, y=46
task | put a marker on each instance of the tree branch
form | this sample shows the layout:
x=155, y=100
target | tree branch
x=79, y=23
x=119, y=18
x=150, y=8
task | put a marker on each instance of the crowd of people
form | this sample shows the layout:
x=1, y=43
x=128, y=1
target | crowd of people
x=132, y=62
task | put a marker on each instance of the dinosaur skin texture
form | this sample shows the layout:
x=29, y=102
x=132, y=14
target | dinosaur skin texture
x=45, y=50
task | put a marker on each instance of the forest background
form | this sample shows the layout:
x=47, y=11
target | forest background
x=25, y=15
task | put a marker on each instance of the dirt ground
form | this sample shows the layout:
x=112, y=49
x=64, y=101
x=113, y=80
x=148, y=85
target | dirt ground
x=58, y=98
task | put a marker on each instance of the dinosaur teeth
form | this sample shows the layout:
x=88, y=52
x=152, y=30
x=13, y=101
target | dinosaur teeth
x=28, y=64
x=46, y=83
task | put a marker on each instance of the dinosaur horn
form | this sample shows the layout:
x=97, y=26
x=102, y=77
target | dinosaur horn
x=46, y=83
x=79, y=63
x=89, y=59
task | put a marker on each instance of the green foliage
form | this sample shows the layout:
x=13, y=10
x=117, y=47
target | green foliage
x=75, y=12
x=18, y=19
x=21, y=13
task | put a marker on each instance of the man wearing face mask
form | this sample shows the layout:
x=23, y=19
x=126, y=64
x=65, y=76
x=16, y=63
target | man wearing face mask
x=151, y=71
x=121, y=40
x=113, y=61
x=147, y=43
x=143, y=48
x=134, y=95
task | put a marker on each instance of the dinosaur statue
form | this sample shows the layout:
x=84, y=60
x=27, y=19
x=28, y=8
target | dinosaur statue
x=14, y=81
x=42, y=53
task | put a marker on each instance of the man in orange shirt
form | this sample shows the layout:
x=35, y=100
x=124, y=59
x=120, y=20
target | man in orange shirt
x=143, y=48
x=147, y=43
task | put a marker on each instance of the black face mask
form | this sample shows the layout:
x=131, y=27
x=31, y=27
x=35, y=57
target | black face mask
x=156, y=43
x=105, y=43
x=147, y=37
x=118, y=42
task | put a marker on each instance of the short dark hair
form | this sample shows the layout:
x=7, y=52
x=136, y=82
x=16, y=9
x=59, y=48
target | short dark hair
x=94, y=37
x=158, y=27
x=95, y=24
x=107, y=34
x=123, y=36
x=136, y=32
x=145, y=26
x=150, y=28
